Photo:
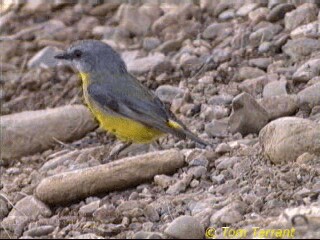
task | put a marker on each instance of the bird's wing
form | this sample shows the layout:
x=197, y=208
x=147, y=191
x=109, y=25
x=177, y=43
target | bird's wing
x=139, y=106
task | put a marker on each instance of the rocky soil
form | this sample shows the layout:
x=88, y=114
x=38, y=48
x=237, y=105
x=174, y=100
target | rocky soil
x=243, y=75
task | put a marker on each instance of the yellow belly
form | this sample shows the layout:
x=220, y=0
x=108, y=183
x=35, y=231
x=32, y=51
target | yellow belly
x=124, y=128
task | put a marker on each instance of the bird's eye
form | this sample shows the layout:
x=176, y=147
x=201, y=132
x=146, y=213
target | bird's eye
x=77, y=53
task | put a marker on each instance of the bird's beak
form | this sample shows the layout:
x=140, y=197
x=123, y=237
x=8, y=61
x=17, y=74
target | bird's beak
x=64, y=56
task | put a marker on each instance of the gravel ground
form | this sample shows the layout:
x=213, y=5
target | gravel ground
x=243, y=75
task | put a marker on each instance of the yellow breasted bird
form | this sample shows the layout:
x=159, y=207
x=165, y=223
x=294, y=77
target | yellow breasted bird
x=122, y=105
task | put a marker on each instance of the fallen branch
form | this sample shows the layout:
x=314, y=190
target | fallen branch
x=128, y=172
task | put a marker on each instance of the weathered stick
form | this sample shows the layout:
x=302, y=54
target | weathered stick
x=76, y=185
x=33, y=131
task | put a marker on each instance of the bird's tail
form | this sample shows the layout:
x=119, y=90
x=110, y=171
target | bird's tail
x=183, y=132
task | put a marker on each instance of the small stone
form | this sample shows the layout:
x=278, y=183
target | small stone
x=249, y=73
x=265, y=47
x=103, y=9
x=39, y=231
x=194, y=183
x=247, y=116
x=259, y=14
x=304, y=14
x=280, y=106
x=220, y=179
x=310, y=95
x=279, y=12
x=307, y=71
x=147, y=235
x=180, y=185
x=169, y=46
x=309, y=30
x=261, y=63
x=197, y=171
x=133, y=19
x=254, y=86
x=217, y=30
x=45, y=58
x=222, y=99
x=227, y=15
x=151, y=214
x=285, y=139
x=104, y=212
x=264, y=34
x=208, y=112
x=223, y=148
x=217, y=128
x=199, y=162
x=88, y=210
x=246, y=9
x=301, y=47
x=230, y=214
x=275, y=88
x=163, y=180
x=145, y=64
x=167, y=93
x=88, y=236
x=226, y=162
x=231, y=217
x=4, y=210
x=150, y=43
x=30, y=207
x=185, y=227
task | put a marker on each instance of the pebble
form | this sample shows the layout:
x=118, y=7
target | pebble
x=264, y=34
x=249, y=73
x=230, y=214
x=151, y=214
x=163, y=180
x=148, y=235
x=246, y=9
x=278, y=12
x=168, y=93
x=217, y=128
x=143, y=65
x=150, y=43
x=185, y=227
x=261, y=63
x=39, y=231
x=199, y=162
x=45, y=58
x=223, y=148
x=221, y=99
x=300, y=47
x=31, y=207
x=217, y=30
x=247, y=115
x=226, y=162
x=275, y=88
x=180, y=185
x=197, y=171
x=285, y=139
x=298, y=17
x=308, y=30
x=4, y=210
x=89, y=209
x=310, y=95
x=280, y=106
x=307, y=71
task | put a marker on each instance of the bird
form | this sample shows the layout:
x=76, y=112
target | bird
x=122, y=104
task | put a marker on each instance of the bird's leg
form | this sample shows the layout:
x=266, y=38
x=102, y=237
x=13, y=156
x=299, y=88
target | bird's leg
x=156, y=144
x=116, y=151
